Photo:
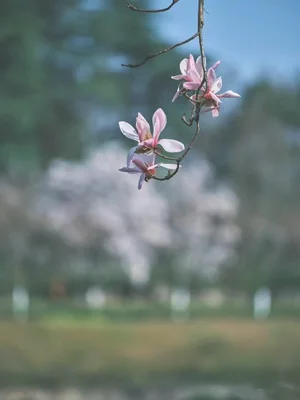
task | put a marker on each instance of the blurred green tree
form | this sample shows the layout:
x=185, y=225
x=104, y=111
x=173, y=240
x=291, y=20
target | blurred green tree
x=258, y=152
x=62, y=87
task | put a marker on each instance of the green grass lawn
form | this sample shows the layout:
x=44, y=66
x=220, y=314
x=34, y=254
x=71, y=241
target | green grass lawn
x=58, y=351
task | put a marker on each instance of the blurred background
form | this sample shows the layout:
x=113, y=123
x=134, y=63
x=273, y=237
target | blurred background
x=188, y=289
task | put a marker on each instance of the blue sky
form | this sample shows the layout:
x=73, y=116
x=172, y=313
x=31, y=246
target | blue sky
x=255, y=37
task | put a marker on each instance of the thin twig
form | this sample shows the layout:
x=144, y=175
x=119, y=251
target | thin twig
x=169, y=175
x=188, y=122
x=188, y=98
x=158, y=153
x=161, y=52
x=200, y=37
x=134, y=8
x=197, y=106
x=191, y=144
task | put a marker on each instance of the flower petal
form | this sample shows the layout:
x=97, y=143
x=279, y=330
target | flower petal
x=159, y=122
x=216, y=64
x=140, y=164
x=215, y=112
x=171, y=145
x=211, y=77
x=178, y=77
x=199, y=67
x=216, y=87
x=191, y=85
x=191, y=63
x=128, y=131
x=130, y=170
x=141, y=181
x=207, y=110
x=143, y=127
x=183, y=66
x=167, y=166
x=131, y=155
x=193, y=76
x=177, y=94
x=143, y=161
x=215, y=98
x=142, y=120
x=149, y=143
x=145, y=158
x=229, y=94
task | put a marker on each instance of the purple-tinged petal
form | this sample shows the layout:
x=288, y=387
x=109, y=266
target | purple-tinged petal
x=177, y=94
x=216, y=87
x=159, y=122
x=142, y=161
x=130, y=170
x=141, y=181
x=140, y=164
x=145, y=158
x=128, y=131
x=183, y=66
x=150, y=160
x=229, y=94
x=131, y=155
x=171, y=145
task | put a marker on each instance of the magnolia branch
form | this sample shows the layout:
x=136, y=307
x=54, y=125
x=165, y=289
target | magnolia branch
x=199, y=86
x=161, y=52
x=195, y=115
x=159, y=10
x=191, y=143
x=201, y=46
x=196, y=104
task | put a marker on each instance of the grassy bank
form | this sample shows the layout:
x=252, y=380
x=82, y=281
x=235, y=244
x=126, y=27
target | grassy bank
x=54, y=352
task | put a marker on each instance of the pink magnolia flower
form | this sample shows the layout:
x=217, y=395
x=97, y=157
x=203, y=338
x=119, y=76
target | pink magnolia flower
x=146, y=142
x=146, y=167
x=192, y=73
x=211, y=98
x=190, y=70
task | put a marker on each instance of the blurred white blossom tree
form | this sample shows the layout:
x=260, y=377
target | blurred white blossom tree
x=91, y=205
